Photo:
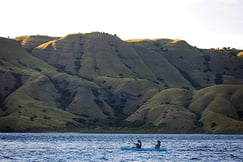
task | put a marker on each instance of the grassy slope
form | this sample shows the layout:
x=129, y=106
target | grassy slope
x=33, y=104
x=137, y=91
x=116, y=78
x=168, y=109
x=41, y=91
x=98, y=54
x=217, y=109
x=199, y=66
x=220, y=108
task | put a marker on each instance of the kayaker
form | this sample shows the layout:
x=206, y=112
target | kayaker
x=157, y=144
x=138, y=144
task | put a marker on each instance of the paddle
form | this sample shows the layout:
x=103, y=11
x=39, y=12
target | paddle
x=132, y=141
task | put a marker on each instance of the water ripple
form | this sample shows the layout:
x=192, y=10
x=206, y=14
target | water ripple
x=105, y=147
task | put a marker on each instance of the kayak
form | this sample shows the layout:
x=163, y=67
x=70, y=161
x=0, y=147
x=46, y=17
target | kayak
x=144, y=149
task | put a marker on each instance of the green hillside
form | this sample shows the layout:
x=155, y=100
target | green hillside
x=98, y=82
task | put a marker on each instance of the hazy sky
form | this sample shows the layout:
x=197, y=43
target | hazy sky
x=202, y=23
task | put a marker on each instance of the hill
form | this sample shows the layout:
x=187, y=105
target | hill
x=98, y=81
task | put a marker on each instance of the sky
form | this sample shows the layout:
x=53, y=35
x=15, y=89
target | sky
x=202, y=23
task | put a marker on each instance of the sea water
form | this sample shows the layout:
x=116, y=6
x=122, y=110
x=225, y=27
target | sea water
x=106, y=147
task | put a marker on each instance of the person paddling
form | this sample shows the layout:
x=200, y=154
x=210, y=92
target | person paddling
x=138, y=144
x=158, y=144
